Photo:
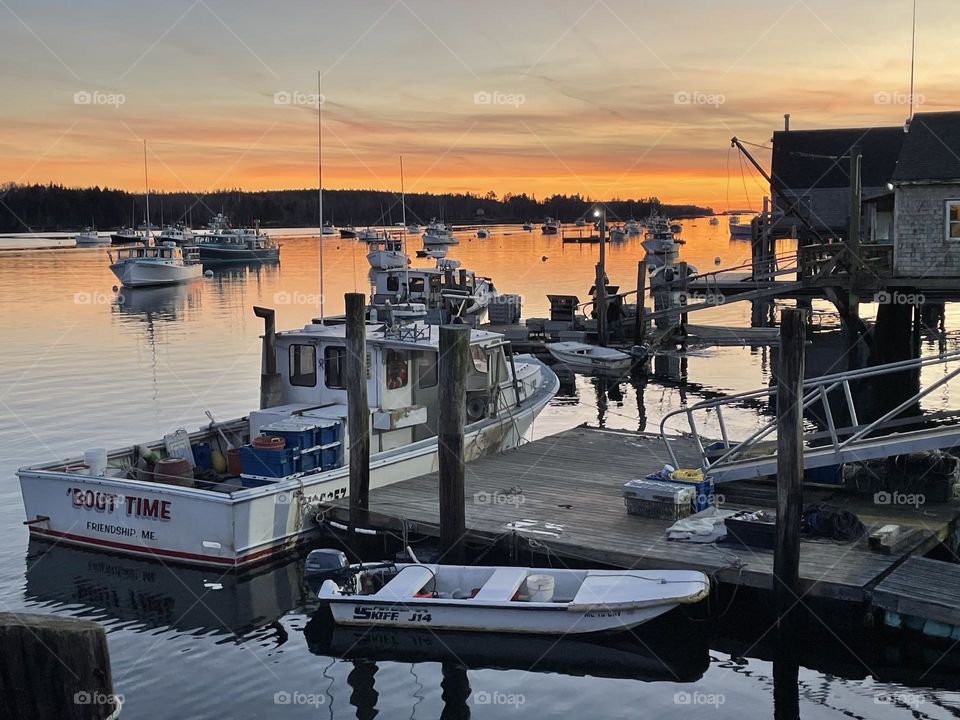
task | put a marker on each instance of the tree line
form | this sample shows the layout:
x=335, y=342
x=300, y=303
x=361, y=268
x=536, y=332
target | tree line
x=37, y=208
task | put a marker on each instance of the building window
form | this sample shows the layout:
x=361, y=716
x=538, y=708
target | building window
x=397, y=369
x=303, y=365
x=334, y=366
x=953, y=220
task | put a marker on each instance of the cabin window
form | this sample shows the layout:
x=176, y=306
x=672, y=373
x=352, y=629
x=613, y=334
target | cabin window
x=953, y=220
x=427, y=371
x=416, y=285
x=334, y=366
x=479, y=356
x=393, y=283
x=303, y=365
x=397, y=369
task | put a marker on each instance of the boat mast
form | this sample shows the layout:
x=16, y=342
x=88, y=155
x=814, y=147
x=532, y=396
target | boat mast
x=403, y=212
x=913, y=51
x=320, y=182
x=146, y=184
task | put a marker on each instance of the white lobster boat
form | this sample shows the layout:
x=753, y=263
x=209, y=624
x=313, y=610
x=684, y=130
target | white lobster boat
x=508, y=599
x=154, y=265
x=439, y=233
x=235, y=518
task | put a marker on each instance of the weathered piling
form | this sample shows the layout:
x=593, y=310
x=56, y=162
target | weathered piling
x=269, y=377
x=601, y=284
x=639, y=327
x=454, y=357
x=786, y=558
x=54, y=668
x=358, y=410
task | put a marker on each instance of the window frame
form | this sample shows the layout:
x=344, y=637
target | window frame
x=295, y=350
x=328, y=360
x=947, y=207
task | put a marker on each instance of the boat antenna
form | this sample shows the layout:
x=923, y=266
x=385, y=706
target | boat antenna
x=913, y=51
x=146, y=184
x=403, y=212
x=320, y=181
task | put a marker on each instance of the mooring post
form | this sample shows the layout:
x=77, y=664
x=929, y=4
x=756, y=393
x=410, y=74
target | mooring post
x=53, y=668
x=601, y=283
x=269, y=377
x=454, y=358
x=639, y=327
x=683, y=270
x=358, y=410
x=786, y=557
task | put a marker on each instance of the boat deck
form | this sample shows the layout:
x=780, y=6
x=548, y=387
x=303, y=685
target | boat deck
x=922, y=588
x=561, y=495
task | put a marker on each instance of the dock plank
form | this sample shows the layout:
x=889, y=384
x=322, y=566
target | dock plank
x=929, y=589
x=562, y=494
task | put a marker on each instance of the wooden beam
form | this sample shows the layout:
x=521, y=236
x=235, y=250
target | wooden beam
x=453, y=362
x=358, y=409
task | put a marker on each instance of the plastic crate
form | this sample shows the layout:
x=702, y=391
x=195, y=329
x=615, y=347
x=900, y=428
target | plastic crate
x=299, y=434
x=752, y=533
x=202, y=455
x=310, y=460
x=330, y=432
x=658, y=499
x=703, y=490
x=262, y=462
x=331, y=457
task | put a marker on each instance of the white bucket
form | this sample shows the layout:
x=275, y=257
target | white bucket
x=540, y=588
x=96, y=460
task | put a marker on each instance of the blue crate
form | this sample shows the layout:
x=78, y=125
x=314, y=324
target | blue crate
x=298, y=433
x=269, y=463
x=330, y=457
x=310, y=460
x=202, y=455
x=704, y=490
x=330, y=432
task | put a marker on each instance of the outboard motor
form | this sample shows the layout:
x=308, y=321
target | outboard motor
x=326, y=563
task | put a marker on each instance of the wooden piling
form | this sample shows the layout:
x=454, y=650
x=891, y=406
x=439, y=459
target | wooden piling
x=786, y=558
x=358, y=410
x=639, y=326
x=270, y=383
x=54, y=668
x=601, y=284
x=454, y=358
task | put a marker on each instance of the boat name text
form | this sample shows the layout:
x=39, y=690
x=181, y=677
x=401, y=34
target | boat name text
x=131, y=505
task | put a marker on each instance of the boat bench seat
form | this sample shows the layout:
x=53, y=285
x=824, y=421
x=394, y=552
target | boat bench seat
x=408, y=582
x=503, y=584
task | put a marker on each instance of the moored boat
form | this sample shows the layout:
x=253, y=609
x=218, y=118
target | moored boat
x=543, y=601
x=328, y=229
x=740, y=230
x=591, y=358
x=368, y=234
x=550, y=226
x=348, y=232
x=386, y=253
x=617, y=234
x=142, y=500
x=438, y=233
x=527, y=226
x=483, y=233
x=224, y=244
x=179, y=234
x=126, y=235
x=89, y=236
x=154, y=265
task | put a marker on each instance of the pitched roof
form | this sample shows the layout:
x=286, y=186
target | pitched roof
x=799, y=162
x=931, y=149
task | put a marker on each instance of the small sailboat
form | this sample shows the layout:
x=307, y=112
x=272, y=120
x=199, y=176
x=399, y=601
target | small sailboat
x=592, y=358
x=545, y=601
x=90, y=236
x=550, y=226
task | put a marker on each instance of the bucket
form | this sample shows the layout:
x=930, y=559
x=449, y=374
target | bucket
x=233, y=462
x=96, y=460
x=269, y=442
x=540, y=588
x=174, y=471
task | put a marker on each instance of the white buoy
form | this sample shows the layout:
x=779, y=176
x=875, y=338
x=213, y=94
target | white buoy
x=208, y=273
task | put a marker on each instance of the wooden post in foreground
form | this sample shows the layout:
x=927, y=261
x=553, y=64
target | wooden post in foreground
x=54, y=668
x=453, y=361
x=639, y=327
x=786, y=557
x=358, y=410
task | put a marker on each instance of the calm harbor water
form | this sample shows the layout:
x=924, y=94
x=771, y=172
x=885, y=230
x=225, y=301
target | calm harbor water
x=83, y=366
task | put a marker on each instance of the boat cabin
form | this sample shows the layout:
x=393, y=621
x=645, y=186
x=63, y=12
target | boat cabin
x=165, y=252
x=402, y=378
x=448, y=291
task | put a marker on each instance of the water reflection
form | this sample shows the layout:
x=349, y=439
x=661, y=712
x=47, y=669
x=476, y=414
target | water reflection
x=159, y=303
x=155, y=595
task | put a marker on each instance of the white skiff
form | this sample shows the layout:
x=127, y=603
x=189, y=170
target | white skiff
x=591, y=358
x=508, y=599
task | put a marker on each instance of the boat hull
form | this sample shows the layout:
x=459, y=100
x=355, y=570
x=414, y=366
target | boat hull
x=205, y=527
x=124, y=239
x=135, y=274
x=213, y=254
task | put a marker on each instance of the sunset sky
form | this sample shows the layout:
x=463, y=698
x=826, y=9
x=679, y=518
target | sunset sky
x=512, y=96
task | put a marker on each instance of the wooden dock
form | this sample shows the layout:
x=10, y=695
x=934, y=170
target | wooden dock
x=561, y=496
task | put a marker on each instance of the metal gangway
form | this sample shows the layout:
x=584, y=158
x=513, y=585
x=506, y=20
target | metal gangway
x=727, y=459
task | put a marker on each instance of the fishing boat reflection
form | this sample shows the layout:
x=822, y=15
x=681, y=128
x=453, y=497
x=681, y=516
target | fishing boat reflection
x=158, y=303
x=665, y=649
x=155, y=595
